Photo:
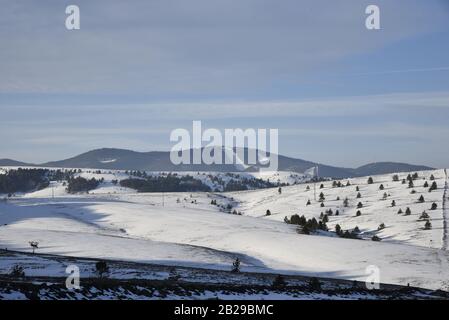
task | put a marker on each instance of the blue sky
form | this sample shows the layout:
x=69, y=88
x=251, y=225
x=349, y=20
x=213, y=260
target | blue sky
x=338, y=93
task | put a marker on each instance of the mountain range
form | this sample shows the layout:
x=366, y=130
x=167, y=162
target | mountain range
x=121, y=159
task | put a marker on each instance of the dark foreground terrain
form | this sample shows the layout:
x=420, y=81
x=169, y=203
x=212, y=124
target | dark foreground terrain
x=45, y=278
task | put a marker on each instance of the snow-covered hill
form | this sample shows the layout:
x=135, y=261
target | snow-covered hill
x=188, y=229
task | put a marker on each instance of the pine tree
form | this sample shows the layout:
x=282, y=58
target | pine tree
x=432, y=177
x=358, y=213
x=381, y=187
x=426, y=185
x=359, y=205
x=268, y=213
x=376, y=238
x=408, y=211
x=338, y=229
x=410, y=184
x=400, y=211
x=424, y=216
x=370, y=180
x=308, y=203
x=236, y=266
x=428, y=225
x=421, y=199
x=393, y=203
x=434, y=206
x=359, y=195
x=322, y=198
x=433, y=186
x=395, y=178
x=346, y=202
x=381, y=227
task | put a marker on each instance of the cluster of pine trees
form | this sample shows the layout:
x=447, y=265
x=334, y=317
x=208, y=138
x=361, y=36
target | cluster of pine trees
x=308, y=226
x=80, y=184
x=168, y=183
x=23, y=180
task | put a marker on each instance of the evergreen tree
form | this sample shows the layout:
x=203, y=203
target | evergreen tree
x=308, y=203
x=322, y=198
x=338, y=230
x=236, y=266
x=395, y=178
x=358, y=213
x=426, y=185
x=427, y=225
x=268, y=213
x=421, y=199
x=381, y=187
x=424, y=216
x=359, y=195
x=370, y=180
x=17, y=271
x=408, y=211
x=393, y=203
x=381, y=227
x=433, y=186
x=434, y=206
x=359, y=205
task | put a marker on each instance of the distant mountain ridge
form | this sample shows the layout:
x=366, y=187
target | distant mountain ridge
x=122, y=159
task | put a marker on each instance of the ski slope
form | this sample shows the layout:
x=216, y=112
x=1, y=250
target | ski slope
x=185, y=229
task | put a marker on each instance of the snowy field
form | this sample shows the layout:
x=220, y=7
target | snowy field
x=187, y=230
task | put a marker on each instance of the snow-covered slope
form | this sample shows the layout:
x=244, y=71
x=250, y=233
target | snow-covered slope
x=402, y=228
x=186, y=229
